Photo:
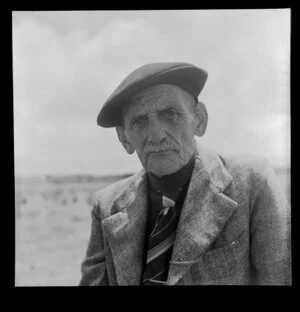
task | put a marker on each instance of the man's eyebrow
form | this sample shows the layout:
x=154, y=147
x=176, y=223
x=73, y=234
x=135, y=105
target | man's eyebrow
x=167, y=107
x=170, y=108
x=141, y=115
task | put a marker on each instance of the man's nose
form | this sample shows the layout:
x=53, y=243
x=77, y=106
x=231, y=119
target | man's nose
x=156, y=132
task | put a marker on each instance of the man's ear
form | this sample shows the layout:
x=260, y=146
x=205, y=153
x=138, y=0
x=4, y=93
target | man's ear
x=123, y=139
x=202, y=118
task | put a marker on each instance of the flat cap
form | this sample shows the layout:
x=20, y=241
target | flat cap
x=184, y=75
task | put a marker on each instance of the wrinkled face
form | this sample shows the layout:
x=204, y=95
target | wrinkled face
x=160, y=124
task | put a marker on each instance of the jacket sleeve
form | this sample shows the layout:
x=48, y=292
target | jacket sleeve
x=93, y=267
x=269, y=231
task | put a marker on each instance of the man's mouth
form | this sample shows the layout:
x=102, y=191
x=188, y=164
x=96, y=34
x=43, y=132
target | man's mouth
x=159, y=153
x=162, y=151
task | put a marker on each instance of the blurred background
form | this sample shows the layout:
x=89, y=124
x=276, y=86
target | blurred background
x=66, y=64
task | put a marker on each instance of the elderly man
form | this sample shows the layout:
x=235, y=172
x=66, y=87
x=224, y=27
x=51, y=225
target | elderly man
x=191, y=216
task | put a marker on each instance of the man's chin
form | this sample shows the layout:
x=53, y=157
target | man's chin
x=162, y=166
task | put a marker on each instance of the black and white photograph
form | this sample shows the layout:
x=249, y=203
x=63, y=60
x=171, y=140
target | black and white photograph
x=152, y=147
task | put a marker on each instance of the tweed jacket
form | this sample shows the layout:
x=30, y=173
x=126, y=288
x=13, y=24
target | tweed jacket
x=232, y=229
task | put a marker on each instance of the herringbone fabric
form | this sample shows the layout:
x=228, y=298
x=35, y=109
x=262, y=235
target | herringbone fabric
x=160, y=244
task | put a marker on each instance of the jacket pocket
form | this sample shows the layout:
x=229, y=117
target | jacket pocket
x=232, y=251
x=224, y=265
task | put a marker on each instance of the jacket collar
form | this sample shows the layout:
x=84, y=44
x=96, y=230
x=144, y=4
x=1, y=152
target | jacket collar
x=205, y=211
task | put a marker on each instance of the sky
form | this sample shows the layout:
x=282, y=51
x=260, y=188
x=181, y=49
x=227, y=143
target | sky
x=66, y=64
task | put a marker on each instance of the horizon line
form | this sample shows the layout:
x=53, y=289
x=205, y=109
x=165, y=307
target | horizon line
x=275, y=166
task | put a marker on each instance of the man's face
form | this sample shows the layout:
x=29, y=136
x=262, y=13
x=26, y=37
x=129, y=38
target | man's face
x=160, y=125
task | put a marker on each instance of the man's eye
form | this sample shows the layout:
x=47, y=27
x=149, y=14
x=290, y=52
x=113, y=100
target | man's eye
x=139, y=122
x=170, y=114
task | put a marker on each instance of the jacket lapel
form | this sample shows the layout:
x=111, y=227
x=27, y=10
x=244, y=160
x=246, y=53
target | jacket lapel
x=205, y=211
x=125, y=230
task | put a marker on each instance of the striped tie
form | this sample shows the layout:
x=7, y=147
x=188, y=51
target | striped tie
x=160, y=244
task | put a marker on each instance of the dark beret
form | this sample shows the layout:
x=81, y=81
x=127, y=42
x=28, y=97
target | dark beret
x=184, y=75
